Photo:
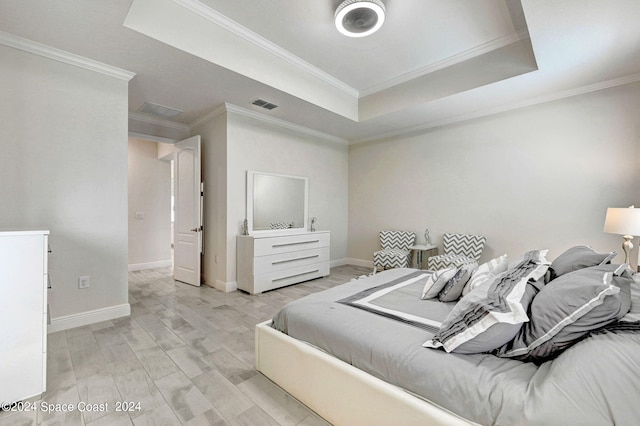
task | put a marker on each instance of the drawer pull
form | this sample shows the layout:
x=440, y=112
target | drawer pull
x=277, y=262
x=49, y=281
x=295, y=244
x=295, y=275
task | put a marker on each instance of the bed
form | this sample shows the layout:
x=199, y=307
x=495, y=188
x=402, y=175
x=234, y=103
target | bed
x=356, y=354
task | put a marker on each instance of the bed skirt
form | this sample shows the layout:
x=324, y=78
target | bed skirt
x=337, y=391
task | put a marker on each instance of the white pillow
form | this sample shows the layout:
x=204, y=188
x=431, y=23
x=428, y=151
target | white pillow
x=485, y=272
x=436, y=282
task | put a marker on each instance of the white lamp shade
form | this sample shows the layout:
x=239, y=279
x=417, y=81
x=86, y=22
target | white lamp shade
x=622, y=221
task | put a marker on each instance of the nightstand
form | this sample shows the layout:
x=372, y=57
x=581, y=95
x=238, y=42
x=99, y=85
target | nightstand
x=419, y=249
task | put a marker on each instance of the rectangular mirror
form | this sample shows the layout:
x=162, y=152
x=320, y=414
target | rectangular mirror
x=276, y=203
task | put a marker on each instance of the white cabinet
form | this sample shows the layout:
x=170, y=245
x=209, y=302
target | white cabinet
x=23, y=314
x=268, y=262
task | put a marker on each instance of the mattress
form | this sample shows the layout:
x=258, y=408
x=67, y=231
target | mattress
x=597, y=381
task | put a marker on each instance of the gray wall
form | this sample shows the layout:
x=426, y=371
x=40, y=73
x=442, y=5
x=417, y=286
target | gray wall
x=64, y=167
x=214, y=175
x=538, y=177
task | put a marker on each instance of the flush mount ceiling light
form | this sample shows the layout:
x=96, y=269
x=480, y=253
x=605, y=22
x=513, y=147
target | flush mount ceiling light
x=359, y=18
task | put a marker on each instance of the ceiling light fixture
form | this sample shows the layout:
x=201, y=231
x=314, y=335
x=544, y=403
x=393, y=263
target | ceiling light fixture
x=359, y=18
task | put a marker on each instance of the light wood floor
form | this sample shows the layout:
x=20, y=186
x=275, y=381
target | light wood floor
x=186, y=355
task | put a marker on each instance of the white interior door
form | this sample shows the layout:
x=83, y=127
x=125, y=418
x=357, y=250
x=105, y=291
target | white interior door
x=188, y=220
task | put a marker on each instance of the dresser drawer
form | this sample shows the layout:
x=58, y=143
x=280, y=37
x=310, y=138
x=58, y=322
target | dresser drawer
x=290, y=243
x=281, y=261
x=277, y=279
x=269, y=262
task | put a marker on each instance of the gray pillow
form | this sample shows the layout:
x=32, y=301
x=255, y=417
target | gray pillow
x=436, y=282
x=634, y=312
x=578, y=257
x=492, y=314
x=568, y=308
x=453, y=288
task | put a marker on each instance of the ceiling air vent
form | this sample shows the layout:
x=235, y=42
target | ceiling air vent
x=264, y=104
x=159, y=110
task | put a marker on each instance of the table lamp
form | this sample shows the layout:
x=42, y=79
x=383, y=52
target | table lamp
x=624, y=221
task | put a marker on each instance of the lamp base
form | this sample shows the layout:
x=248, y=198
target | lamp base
x=627, y=246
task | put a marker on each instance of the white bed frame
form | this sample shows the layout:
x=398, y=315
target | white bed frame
x=337, y=391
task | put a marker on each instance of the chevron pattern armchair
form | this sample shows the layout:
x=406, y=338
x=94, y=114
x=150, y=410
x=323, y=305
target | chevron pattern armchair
x=459, y=249
x=395, y=251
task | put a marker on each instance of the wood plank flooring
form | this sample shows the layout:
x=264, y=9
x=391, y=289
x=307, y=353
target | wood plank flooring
x=186, y=355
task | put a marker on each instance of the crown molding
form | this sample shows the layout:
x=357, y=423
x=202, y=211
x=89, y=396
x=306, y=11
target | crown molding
x=277, y=122
x=632, y=78
x=230, y=25
x=26, y=45
x=150, y=119
x=151, y=138
x=207, y=117
x=447, y=62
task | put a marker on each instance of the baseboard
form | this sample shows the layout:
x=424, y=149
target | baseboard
x=227, y=287
x=359, y=262
x=151, y=265
x=89, y=317
x=338, y=262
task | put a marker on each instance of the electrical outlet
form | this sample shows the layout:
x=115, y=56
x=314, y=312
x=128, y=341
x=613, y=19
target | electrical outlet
x=83, y=282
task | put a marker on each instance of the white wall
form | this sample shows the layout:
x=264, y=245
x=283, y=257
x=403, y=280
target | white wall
x=234, y=143
x=256, y=145
x=149, y=194
x=64, y=167
x=539, y=177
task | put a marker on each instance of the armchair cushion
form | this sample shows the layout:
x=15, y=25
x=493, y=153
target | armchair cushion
x=395, y=251
x=448, y=260
x=459, y=250
x=392, y=258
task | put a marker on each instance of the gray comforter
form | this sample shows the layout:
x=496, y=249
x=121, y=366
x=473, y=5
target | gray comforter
x=595, y=382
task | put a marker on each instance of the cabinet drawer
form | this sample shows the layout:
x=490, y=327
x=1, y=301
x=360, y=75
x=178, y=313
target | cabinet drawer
x=277, y=279
x=279, y=262
x=289, y=243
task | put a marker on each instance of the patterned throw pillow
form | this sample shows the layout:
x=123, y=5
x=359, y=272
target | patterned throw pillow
x=437, y=281
x=486, y=272
x=453, y=289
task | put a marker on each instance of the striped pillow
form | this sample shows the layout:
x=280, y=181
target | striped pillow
x=453, y=289
x=493, y=313
x=437, y=281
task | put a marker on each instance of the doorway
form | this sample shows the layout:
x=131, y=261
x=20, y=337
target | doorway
x=165, y=207
x=150, y=204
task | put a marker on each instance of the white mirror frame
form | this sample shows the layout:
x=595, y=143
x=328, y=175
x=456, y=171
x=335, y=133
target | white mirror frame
x=250, y=197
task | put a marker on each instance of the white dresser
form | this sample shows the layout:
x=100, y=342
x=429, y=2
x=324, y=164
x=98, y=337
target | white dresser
x=23, y=314
x=268, y=262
